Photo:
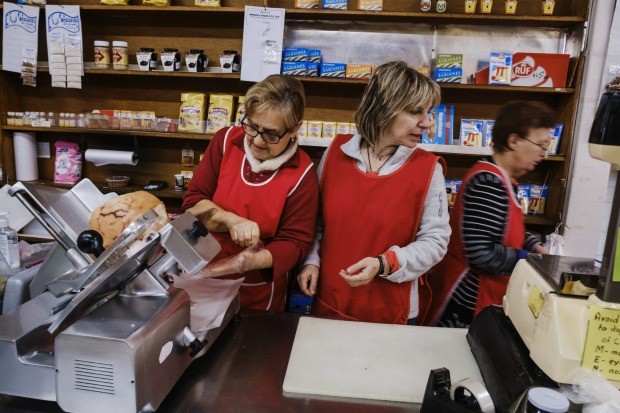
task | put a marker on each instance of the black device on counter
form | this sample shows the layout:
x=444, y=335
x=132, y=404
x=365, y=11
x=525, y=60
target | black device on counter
x=155, y=185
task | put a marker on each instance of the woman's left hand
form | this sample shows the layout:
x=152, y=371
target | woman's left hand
x=362, y=272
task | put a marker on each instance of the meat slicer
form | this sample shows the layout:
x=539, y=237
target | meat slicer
x=103, y=330
x=548, y=297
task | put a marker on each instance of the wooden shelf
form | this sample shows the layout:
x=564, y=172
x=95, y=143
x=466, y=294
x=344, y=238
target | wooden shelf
x=103, y=187
x=86, y=131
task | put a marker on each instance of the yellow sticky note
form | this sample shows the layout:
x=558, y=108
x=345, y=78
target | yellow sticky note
x=616, y=275
x=535, y=301
x=601, y=352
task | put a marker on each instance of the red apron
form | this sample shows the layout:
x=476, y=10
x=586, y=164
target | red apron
x=364, y=216
x=262, y=203
x=446, y=276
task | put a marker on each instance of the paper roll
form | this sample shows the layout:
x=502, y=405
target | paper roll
x=25, y=145
x=104, y=157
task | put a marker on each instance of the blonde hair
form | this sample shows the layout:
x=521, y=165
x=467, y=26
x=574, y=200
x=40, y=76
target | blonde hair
x=282, y=93
x=394, y=88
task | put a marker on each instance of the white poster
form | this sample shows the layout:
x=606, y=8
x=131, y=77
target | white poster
x=263, y=34
x=20, y=25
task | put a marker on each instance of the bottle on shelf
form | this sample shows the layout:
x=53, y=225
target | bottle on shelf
x=8, y=242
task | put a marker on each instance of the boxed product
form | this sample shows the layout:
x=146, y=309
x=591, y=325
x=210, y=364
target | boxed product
x=358, y=71
x=312, y=69
x=343, y=128
x=374, y=5
x=333, y=70
x=441, y=131
x=329, y=130
x=315, y=128
x=538, y=197
x=148, y=120
x=192, y=112
x=499, y=68
x=352, y=128
x=136, y=120
x=554, y=139
x=452, y=187
x=449, y=68
x=335, y=4
x=68, y=163
x=471, y=132
x=294, y=54
x=126, y=119
x=523, y=195
x=294, y=68
x=488, y=133
x=314, y=55
x=539, y=69
x=220, y=112
x=303, y=130
x=307, y=4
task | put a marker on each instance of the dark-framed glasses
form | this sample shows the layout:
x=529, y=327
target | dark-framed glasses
x=543, y=146
x=268, y=136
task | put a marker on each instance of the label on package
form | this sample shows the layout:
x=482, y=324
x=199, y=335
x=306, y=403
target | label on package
x=335, y=4
x=449, y=68
x=488, y=133
x=356, y=71
x=333, y=70
x=499, y=68
x=312, y=69
x=297, y=54
x=554, y=139
x=294, y=68
x=442, y=126
x=471, y=132
x=314, y=55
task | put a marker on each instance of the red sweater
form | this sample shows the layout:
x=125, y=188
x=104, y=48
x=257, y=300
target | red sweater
x=295, y=232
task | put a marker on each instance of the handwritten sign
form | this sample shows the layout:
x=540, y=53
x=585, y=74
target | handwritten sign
x=602, y=348
x=535, y=301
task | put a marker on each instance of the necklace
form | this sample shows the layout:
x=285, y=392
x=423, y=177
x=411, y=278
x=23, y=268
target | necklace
x=370, y=163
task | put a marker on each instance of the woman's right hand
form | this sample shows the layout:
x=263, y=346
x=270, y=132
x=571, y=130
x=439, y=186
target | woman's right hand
x=244, y=232
x=308, y=278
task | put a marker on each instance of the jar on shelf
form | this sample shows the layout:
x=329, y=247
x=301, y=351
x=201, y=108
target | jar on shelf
x=102, y=54
x=120, y=56
x=10, y=119
x=230, y=61
x=196, y=60
x=171, y=59
x=147, y=58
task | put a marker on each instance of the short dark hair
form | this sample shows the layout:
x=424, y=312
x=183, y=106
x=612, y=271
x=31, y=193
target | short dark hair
x=520, y=117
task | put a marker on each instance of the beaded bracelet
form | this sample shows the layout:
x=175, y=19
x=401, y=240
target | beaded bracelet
x=381, y=267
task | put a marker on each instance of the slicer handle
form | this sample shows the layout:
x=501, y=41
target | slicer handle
x=191, y=341
x=198, y=230
x=90, y=242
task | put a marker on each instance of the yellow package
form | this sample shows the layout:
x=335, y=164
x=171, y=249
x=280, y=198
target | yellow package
x=126, y=117
x=192, y=112
x=220, y=112
x=156, y=2
x=207, y=3
x=114, y=2
x=148, y=120
x=240, y=111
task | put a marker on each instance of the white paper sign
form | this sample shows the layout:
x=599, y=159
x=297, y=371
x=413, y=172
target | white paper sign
x=263, y=34
x=20, y=31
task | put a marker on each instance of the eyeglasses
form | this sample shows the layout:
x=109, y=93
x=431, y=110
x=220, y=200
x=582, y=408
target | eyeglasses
x=269, y=137
x=543, y=146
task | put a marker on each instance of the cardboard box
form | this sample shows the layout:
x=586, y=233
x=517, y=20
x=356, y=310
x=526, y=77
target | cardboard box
x=539, y=69
x=333, y=70
x=554, y=139
x=358, y=71
x=442, y=131
x=449, y=68
x=500, y=64
x=471, y=132
x=294, y=68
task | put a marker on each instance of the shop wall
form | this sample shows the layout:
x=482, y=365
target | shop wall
x=590, y=186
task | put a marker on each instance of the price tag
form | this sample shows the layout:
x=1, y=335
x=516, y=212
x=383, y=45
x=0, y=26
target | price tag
x=535, y=301
x=602, y=348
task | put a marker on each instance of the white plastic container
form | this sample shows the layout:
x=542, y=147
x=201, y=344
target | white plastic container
x=102, y=54
x=120, y=56
x=8, y=242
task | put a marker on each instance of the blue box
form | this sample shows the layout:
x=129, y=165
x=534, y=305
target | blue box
x=294, y=68
x=314, y=55
x=335, y=4
x=296, y=54
x=442, y=133
x=299, y=303
x=333, y=70
x=487, y=139
x=312, y=69
x=554, y=139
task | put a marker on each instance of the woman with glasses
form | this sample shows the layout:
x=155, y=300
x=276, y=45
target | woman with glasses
x=384, y=213
x=255, y=184
x=488, y=233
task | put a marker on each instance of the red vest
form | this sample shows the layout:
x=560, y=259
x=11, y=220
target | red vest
x=262, y=203
x=364, y=215
x=446, y=276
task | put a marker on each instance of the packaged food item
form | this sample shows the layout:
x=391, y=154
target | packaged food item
x=500, y=65
x=120, y=56
x=147, y=58
x=335, y=4
x=373, y=5
x=307, y=4
x=486, y=6
x=230, y=61
x=547, y=7
x=187, y=176
x=314, y=55
x=102, y=54
x=358, y=71
x=511, y=6
x=312, y=69
x=187, y=156
x=540, y=69
x=452, y=187
x=220, y=112
x=554, y=139
x=240, y=113
x=294, y=68
x=295, y=54
x=192, y=112
x=196, y=60
x=441, y=6
x=449, y=68
x=441, y=131
x=68, y=163
x=538, y=197
x=303, y=130
x=333, y=70
x=352, y=128
x=171, y=59
x=207, y=3
x=523, y=196
x=315, y=128
x=114, y=2
x=343, y=128
x=470, y=6
x=471, y=132
x=161, y=3
x=488, y=133
x=329, y=130
x=148, y=120
x=425, y=5
x=126, y=119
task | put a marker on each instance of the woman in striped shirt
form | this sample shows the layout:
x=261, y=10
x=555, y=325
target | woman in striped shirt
x=488, y=233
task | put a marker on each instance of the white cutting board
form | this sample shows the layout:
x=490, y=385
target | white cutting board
x=374, y=361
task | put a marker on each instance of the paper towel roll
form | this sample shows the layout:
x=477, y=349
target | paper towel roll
x=25, y=145
x=104, y=157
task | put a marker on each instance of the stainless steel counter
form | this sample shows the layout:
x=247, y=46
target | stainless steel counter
x=242, y=372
